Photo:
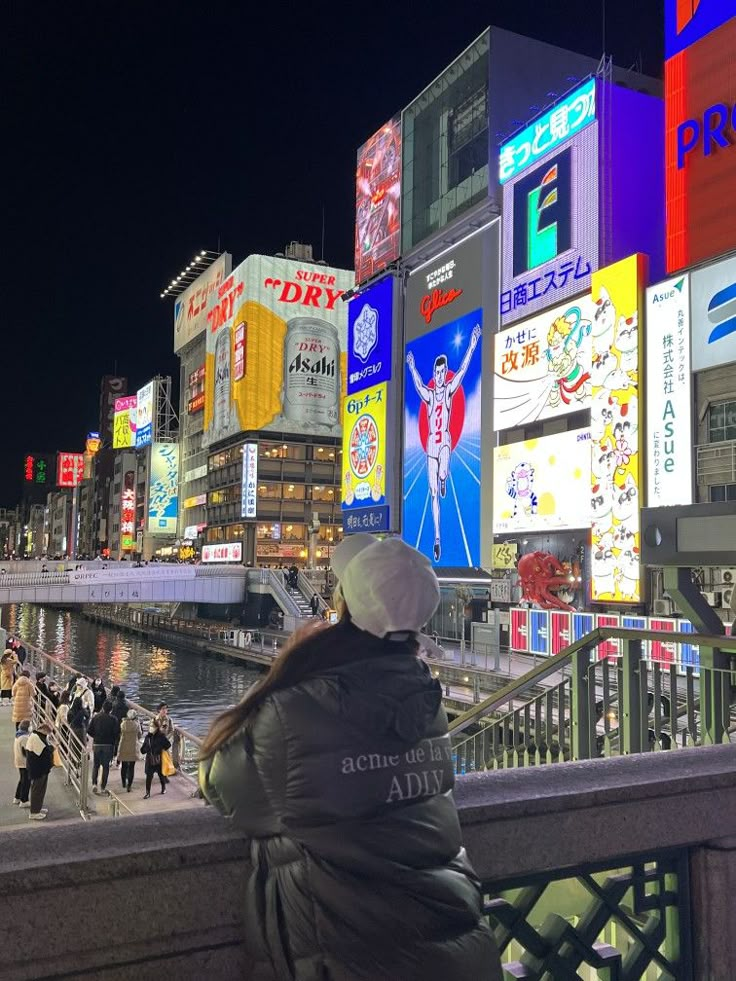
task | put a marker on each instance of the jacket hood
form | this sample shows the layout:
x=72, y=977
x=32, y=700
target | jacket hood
x=390, y=695
x=35, y=744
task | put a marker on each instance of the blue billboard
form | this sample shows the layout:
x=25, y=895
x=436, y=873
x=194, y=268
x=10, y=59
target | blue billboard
x=442, y=427
x=687, y=21
x=370, y=323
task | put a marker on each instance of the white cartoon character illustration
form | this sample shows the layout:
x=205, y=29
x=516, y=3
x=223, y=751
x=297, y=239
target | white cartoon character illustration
x=438, y=400
x=603, y=368
x=628, y=573
x=564, y=339
x=602, y=413
x=603, y=537
x=623, y=538
x=520, y=488
x=625, y=430
x=627, y=343
x=601, y=504
x=626, y=500
x=607, y=371
x=603, y=463
x=604, y=571
x=604, y=319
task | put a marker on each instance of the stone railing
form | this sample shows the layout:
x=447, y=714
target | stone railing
x=620, y=868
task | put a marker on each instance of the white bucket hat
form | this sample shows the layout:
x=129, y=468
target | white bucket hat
x=389, y=587
x=348, y=548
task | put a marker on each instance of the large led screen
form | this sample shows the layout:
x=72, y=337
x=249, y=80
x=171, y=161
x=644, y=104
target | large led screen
x=615, y=460
x=542, y=366
x=364, y=455
x=377, y=201
x=550, y=227
x=542, y=484
x=442, y=425
x=370, y=334
x=163, y=493
x=668, y=394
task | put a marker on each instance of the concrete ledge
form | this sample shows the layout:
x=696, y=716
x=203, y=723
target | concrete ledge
x=130, y=899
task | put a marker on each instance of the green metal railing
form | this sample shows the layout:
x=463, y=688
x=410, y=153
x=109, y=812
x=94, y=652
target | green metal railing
x=601, y=706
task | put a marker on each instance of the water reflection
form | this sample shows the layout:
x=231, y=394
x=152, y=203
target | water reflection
x=195, y=687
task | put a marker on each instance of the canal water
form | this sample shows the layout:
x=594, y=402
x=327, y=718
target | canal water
x=195, y=687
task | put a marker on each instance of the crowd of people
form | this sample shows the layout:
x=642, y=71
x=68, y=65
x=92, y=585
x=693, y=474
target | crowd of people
x=81, y=716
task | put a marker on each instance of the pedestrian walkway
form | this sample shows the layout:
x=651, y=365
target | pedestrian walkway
x=60, y=800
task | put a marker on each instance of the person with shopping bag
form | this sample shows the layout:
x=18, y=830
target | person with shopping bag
x=153, y=746
x=166, y=726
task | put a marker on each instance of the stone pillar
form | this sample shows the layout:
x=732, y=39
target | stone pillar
x=712, y=888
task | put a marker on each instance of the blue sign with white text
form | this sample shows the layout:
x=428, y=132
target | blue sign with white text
x=367, y=519
x=687, y=21
x=370, y=317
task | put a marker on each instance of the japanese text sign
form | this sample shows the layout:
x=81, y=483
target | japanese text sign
x=249, y=482
x=124, y=422
x=163, y=495
x=364, y=449
x=370, y=323
x=69, y=469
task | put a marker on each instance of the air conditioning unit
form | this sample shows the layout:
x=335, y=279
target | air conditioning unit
x=712, y=599
x=728, y=577
x=662, y=607
x=727, y=598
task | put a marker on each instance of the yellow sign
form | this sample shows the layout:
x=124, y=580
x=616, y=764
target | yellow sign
x=504, y=556
x=616, y=468
x=364, y=449
x=123, y=431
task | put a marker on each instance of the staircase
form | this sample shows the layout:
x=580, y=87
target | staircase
x=305, y=610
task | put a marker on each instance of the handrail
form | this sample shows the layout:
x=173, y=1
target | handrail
x=73, y=754
x=559, y=661
x=306, y=588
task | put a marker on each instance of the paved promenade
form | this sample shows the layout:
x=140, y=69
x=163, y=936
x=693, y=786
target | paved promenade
x=61, y=802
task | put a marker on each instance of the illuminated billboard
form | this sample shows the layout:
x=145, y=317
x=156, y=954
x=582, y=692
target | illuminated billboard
x=370, y=334
x=542, y=366
x=249, y=481
x=378, y=201
x=550, y=225
x=615, y=461
x=144, y=416
x=93, y=443
x=364, y=460
x=124, y=423
x=35, y=469
x=190, y=308
x=69, y=469
x=687, y=21
x=713, y=304
x=442, y=422
x=542, y=484
x=700, y=147
x=163, y=493
x=668, y=394
x=230, y=552
x=195, y=400
x=293, y=355
x=111, y=389
x=127, y=513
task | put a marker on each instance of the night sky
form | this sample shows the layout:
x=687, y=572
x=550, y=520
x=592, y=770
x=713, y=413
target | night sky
x=136, y=134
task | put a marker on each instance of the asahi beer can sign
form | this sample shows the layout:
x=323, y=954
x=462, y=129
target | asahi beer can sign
x=312, y=372
x=290, y=363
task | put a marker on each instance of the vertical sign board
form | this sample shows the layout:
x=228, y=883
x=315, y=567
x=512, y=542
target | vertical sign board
x=700, y=131
x=69, y=469
x=163, y=495
x=713, y=311
x=378, y=201
x=111, y=389
x=124, y=425
x=365, y=411
x=668, y=394
x=549, y=174
x=249, y=483
x=144, y=416
x=443, y=320
x=616, y=466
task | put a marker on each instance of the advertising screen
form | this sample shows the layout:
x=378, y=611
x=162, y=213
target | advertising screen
x=542, y=484
x=364, y=459
x=249, y=481
x=378, y=201
x=442, y=413
x=231, y=552
x=700, y=148
x=370, y=334
x=713, y=304
x=127, y=513
x=163, y=494
x=292, y=356
x=144, y=416
x=668, y=394
x=69, y=469
x=687, y=21
x=550, y=227
x=190, y=308
x=542, y=366
x=124, y=423
x=615, y=461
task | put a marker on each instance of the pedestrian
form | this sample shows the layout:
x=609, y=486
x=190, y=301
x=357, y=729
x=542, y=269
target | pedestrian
x=72, y=683
x=338, y=766
x=19, y=758
x=128, y=748
x=166, y=725
x=54, y=694
x=119, y=705
x=153, y=746
x=114, y=693
x=39, y=761
x=8, y=663
x=314, y=604
x=105, y=732
x=23, y=691
x=21, y=652
x=98, y=693
x=78, y=719
x=83, y=691
x=42, y=688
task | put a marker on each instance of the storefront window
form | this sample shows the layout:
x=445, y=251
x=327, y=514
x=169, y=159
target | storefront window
x=722, y=421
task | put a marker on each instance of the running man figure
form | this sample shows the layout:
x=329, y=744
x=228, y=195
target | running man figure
x=438, y=400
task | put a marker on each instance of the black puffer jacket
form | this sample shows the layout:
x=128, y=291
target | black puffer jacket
x=343, y=784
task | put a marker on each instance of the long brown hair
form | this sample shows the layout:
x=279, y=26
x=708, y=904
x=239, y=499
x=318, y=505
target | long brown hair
x=308, y=651
x=298, y=658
